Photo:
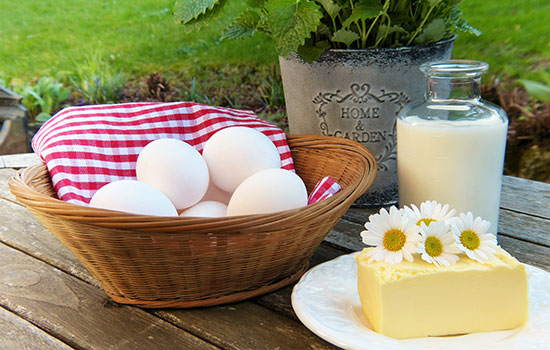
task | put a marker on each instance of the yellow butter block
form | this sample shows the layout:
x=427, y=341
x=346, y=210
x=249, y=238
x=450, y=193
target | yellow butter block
x=418, y=299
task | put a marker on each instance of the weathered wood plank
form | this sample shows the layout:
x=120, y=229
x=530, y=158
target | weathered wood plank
x=280, y=300
x=244, y=326
x=5, y=175
x=20, y=229
x=519, y=195
x=526, y=196
x=346, y=234
x=18, y=334
x=360, y=215
x=524, y=227
x=527, y=253
x=74, y=312
x=32, y=238
x=19, y=160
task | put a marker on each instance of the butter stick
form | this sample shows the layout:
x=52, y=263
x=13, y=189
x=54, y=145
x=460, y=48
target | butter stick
x=417, y=299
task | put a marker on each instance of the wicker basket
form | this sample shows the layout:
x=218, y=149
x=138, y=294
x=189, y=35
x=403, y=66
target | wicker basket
x=187, y=262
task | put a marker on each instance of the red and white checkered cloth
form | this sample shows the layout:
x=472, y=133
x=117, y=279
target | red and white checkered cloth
x=325, y=188
x=87, y=147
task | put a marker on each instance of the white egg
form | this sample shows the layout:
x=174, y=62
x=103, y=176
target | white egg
x=268, y=191
x=235, y=153
x=176, y=169
x=214, y=193
x=133, y=196
x=210, y=209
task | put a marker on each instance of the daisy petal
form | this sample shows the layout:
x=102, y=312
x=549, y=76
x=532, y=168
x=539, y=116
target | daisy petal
x=441, y=261
x=484, y=226
x=395, y=218
x=407, y=255
x=471, y=254
x=378, y=227
x=370, y=239
x=372, y=254
x=381, y=254
x=427, y=258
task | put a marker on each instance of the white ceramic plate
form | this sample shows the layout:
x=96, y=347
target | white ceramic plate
x=326, y=301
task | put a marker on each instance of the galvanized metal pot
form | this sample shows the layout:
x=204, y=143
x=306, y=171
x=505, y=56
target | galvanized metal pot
x=357, y=94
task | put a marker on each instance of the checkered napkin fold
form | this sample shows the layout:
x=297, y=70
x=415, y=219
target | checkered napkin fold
x=87, y=147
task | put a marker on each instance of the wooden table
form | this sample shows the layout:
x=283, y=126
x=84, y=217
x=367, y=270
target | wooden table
x=49, y=301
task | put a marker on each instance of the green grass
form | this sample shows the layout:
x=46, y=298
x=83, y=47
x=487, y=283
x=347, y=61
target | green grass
x=52, y=38
x=49, y=37
x=515, y=40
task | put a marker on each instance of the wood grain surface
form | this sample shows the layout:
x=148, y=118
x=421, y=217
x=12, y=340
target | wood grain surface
x=18, y=160
x=20, y=334
x=526, y=196
x=48, y=300
x=74, y=311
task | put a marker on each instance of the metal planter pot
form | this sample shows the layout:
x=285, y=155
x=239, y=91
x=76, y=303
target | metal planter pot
x=357, y=94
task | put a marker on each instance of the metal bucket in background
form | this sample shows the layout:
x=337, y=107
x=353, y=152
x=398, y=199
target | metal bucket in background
x=357, y=94
x=14, y=137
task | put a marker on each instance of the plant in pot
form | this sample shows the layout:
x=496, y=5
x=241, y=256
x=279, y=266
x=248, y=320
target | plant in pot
x=348, y=66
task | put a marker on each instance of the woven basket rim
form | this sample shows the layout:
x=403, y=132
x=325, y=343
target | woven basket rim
x=118, y=247
x=28, y=195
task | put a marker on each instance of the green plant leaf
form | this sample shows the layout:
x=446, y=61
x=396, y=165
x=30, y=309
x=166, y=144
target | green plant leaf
x=310, y=53
x=42, y=117
x=463, y=26
x=536, y=89
x=433, y=2
x=330, y=7
x=34, y=98
x=456, y=22
x=194, y=17
x=324, y=30
x=47, y=104
x=263, y=25
x=186, y=11
x=345, y=36
x=63, y=95
x=383, y=32
x=433, y=32
x=291, y=22
x=244, y=26
x=364, y=11
x=256, y=3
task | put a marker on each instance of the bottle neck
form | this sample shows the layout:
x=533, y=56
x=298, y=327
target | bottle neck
x=454, y=88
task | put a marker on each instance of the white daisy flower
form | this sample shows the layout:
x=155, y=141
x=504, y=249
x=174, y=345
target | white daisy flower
x=429, y=212
x=438, y=244
x=394, y=236
x=471, y=237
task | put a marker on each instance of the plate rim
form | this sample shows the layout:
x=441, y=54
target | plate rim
x=311, y=325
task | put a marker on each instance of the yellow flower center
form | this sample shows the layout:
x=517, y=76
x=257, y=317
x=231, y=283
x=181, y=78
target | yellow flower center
x=470, y=239
x=434, y=247
x=394, y=240
x=427, y=221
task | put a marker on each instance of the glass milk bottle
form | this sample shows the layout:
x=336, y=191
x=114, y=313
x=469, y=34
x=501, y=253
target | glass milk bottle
x=451, y=147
